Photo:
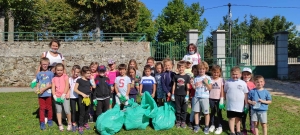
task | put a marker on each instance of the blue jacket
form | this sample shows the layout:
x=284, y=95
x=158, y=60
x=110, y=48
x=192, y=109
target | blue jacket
x=166, y=81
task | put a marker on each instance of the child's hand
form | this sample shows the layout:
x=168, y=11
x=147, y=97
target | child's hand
x=205, y=81
x=192, y=81
x=141, y=94
x=153, y=95
x=84, y=95
x=252, y=102
x=169, y=94
x=260, y=100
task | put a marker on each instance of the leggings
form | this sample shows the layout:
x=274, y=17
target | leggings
x=73, y=102
x=214, y=106
x=244, y=120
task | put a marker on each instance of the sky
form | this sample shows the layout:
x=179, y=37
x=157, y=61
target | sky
x=215, y=15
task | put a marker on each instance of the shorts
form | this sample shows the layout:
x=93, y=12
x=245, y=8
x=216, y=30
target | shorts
x=65, y=105
x=199, y=104
x=233, y=114
x=257, y=116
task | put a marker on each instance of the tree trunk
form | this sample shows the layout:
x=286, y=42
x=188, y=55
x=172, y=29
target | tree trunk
x=97, y=13
x=11, y=21
x=2, y=24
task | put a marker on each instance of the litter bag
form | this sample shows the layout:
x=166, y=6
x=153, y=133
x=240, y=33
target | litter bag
x=165, y=118
x=149, y=104
x=134, y=116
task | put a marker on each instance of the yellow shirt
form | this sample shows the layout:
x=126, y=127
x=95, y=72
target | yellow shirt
x=189, y=72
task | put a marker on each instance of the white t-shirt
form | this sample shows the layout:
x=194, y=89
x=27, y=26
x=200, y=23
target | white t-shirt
x=195, y=57
x=235, y=94
x=72, y=83
x=122, y=83
x=201, y=90
x=54, y=60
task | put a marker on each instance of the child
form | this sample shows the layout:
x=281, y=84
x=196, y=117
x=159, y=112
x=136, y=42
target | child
x=151, y=62
x=134, y=87
x=188, y=69
x=192, y=94
x=61, y=91
x=247, y=77
x=94, y=74
x=112, y=74
x=215, y=98
x=236, y=100
x=83, y=89
x=180, y=94
x=166, y=77
x=44, y=78
x=202, y=85
x=132, y=63
x=74, y=95
x=122, y=86
x=161, y=95
x=260, y=99
x=148, y=82
x=101, y=93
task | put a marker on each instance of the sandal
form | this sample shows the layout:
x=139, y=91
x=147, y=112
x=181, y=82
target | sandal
x=69, y=127
x=61, y=128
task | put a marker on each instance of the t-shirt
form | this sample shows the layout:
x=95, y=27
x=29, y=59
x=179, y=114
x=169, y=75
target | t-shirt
x=122, y=83
x=84, y=86
x=60, y=85
x=255, y=94
x=72, y=82
x=250, y=85
x=147, y=82
x=189, y=72
x=235, y=94
x=195, y=57
x=215, y=92
x=54, y=60
x=133, y=90
x=181, y=82
x=112, y=75
x=201, y=90
x=44, y=78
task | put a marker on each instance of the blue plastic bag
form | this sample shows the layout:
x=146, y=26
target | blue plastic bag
x=149, y=104
x=135, y=116
x=165, y=118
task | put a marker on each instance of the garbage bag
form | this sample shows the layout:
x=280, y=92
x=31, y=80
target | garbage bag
x=165, y=118
x=111, y=121
x=134, y=116
x=149, y=104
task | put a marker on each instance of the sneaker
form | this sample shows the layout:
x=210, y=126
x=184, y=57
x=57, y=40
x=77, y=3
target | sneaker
x=244, y=132
x=240, y=133
x=219, y=130
x=196, y=129
x=183, y=125
x=232, y=134
x=80, y=130
x=42, y=126
x=190, y=125
x=253, y=131
x=212, y=128
x=177, y=124
x=69, y=127
x=50, y=123
x=86, y=126
x=206, y=130
x=91, y=120
x=61, y=128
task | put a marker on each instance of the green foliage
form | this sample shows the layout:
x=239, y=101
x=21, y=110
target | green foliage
x=177, y=18
x=145, y=23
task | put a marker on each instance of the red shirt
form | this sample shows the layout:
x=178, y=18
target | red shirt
x=250, y=85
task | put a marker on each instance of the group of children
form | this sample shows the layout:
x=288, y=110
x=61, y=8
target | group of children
x=191, y=84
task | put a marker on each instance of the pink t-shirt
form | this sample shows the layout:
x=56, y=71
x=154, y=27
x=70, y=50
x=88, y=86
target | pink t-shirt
x=215, y=92
x=60, y=85
x=112, y=75
x=250, y=85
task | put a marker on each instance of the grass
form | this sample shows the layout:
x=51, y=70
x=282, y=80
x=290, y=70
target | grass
x=18, y=115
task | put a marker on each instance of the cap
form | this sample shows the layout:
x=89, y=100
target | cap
x=247, y=70
x=111, y=62
x=102, y=68
x=190, y=61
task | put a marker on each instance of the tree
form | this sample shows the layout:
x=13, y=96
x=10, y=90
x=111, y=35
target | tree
x=177, y=18
x=145, y=23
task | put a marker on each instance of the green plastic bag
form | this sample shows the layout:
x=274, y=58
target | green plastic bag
x=134, y=116
x=33, y=83
x=149, y=104
x=111, y=121
x=165, y=118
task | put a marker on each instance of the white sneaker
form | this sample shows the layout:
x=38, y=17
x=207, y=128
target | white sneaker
x=219, y=131
x=212, y=128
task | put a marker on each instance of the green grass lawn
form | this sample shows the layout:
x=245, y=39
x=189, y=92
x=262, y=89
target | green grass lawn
x=18, y=116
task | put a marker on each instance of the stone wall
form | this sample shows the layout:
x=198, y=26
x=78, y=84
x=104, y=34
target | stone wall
x=19, y=60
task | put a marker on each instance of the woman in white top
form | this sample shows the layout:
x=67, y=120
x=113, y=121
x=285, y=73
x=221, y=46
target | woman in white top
x=192, y=54
x=53, y=55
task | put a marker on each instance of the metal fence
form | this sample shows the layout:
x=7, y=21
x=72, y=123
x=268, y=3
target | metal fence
x=70, y=37
x=172, y=50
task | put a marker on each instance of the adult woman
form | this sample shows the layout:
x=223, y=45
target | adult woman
x=192, y=54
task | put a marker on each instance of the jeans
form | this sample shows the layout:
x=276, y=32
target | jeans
x=181, y=108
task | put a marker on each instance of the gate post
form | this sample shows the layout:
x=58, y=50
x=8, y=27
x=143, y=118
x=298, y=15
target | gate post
x=192, y=36
x=281, y=51
x=219, y=50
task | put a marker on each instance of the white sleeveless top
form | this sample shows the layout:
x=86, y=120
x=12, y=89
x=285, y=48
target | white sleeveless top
x=54, y=60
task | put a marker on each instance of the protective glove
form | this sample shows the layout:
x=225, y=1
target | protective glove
x=123, y=99
x=95, y=102
x=110, y=101
x=186, y=99
x=92, y=81
x=38, y=92
x=86, y=101
x=172, y=98
x=246, y=109
x=126, y=97
x=63, y=96
x=119, y=95
x=59, y=100
x=221, y=104
x=55, y=98
x=33, y=83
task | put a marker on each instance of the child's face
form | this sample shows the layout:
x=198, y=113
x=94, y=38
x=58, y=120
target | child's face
x=260, y=83
x=122, y=72
x=158, y=69
x=131, y=72
x=202, y=71
x=87, y=74
x=75, y=73
x=168, y=66
x=101, y=73
x=132, y=64
x=246, y=76
x=235, y=75
x=216, y=73
x=59, y=71
x=191, y=48
x=112, y=66
x=150, y=63
x=44, y=65
x=188, y=65
x=94, y=68
x=195, y=72
x=181, y=69
x=147, y=72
